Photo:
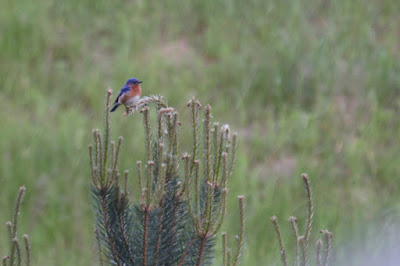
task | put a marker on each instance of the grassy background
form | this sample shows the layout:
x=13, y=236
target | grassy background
x=310, y=86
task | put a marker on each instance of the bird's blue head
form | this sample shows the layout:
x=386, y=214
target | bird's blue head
x=133, y=81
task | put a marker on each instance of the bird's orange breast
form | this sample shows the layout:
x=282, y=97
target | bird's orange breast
x=134, y=91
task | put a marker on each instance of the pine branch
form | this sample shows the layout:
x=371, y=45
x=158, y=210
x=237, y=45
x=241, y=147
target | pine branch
x=318, y=253
x=202, y=246
x=18, y=203
x=303, y=245
x=278, y=232
x=241, y=234
x=18, y=251
x=27, y=250
x=123, y=229
x=224, y=249
x=196, y=106
x=15, y=252
x=302, y=241
x=328, y=240
x=157, y=99
x=159, y=234
x=310, y=210
x=293, y=223
x=100, y=253
x=146, y=226
x=107, y=129
x=107, y=226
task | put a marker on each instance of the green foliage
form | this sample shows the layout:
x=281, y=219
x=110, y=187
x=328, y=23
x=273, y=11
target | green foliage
x=178, y=216
x=312, y=86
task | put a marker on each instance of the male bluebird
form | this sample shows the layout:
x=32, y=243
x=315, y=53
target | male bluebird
x=129, y=94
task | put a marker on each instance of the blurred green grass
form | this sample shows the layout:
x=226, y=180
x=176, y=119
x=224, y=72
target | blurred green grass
x=310, y=86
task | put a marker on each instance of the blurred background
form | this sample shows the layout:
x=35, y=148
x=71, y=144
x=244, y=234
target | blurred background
x=309, y=85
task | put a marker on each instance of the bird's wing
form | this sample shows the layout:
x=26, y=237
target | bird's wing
x=123, y=90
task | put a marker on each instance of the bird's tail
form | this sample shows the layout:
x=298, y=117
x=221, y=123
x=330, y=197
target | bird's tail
x=114, y=107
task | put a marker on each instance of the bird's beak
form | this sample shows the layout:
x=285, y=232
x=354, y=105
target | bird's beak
x=140, y=81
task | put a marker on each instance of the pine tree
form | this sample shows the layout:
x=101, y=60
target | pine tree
x=183, y=197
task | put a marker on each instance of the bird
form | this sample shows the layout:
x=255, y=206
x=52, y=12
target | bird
x=129, y=94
